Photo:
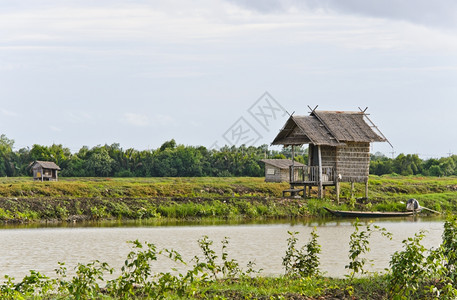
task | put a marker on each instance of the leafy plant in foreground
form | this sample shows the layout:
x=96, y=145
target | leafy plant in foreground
x=8, y=289
x=412, y=269
x=36, y=284
x=449, y=246
x=229, y=268
x=298, y=262
x=359, y=244
x=447, y=256
x=85, y=285
x=135, y=272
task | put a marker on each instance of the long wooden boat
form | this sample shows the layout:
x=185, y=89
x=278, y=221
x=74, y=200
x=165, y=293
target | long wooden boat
x=368, y=214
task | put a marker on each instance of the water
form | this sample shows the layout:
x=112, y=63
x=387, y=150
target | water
x=41, y=248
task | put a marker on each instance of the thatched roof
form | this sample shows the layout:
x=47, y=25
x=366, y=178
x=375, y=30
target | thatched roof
x=281, y=163
x=330, y=128
x=46, y=165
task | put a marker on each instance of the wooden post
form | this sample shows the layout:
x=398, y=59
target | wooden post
x=292, y=175
x=337, y=187
x=366, y=188
x=319, y=191
x=310, y=153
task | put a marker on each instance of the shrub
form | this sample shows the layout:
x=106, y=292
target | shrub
x=359, y=244
x=297, y=262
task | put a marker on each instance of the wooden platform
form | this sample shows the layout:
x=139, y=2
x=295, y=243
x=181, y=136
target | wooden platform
x=293, y=192
x=312, y=183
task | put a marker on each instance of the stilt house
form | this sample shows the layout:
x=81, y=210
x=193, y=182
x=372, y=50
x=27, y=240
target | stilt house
x=45, y=170
x=339, y=148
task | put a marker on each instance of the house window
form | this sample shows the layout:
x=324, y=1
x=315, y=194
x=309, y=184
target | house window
x=270, y=171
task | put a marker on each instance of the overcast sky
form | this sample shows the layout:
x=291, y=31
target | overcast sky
x=142, y=72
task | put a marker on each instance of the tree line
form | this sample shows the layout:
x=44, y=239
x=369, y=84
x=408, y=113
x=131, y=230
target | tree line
x=169, y=160
x=412, y=164
x=172, y=159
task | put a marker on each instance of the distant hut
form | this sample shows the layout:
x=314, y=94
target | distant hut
x=278, y=170
x=339, y=148
x=45, y=170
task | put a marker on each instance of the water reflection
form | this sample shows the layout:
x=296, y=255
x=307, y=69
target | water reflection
x=40, y=247
x=149, y=223
x=212, y=222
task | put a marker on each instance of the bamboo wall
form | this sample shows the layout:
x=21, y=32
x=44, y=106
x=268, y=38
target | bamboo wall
x=328, y=154
x=353, y=162
x=329, y=158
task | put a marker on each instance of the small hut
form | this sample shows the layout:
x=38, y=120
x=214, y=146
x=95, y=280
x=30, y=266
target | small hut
x=45, y=170
x=278, y=170
x=339, y=148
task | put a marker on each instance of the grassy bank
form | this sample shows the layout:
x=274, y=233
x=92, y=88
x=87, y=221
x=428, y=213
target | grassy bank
x=73, y=199
x=284, y=287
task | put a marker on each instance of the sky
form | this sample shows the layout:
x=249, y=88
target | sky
x=225, y=72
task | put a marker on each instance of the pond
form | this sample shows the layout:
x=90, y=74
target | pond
x=41, y=248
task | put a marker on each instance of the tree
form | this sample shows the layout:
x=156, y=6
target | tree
x=99, y=163
x=407, y=164
x=6, y=155
x=168, y=145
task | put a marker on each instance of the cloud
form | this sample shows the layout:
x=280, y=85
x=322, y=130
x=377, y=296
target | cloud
x=8, y=113
x=440, y=13
x=158, y=32
x=141, y=120
x=164, y=120
x=137, y=120
x=78, y=116
x=55, y=129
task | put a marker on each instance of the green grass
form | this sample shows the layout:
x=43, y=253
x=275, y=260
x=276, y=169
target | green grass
x=285, y=287
x=22, y=199
x=141, y=187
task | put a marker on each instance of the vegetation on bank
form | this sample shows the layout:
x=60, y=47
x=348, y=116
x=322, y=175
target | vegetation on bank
x=414, y=273
x=75, y=199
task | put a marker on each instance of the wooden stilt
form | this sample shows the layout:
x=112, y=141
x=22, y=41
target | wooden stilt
x=337, y=186
x=292, y=174
x=366, y=189
x=319, y=191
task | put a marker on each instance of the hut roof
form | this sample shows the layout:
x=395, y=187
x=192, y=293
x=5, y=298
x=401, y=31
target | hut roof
x=46, y=165
x=330, y=128
x=281, y=163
